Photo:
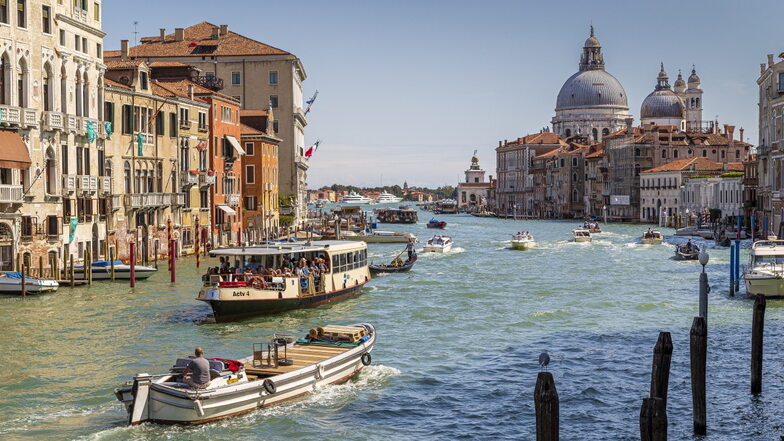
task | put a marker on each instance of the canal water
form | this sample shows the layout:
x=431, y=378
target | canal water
x=456, y=358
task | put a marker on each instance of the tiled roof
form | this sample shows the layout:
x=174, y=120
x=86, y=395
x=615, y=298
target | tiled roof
x=198, y=42
x=123, y=64
x=538, y=138
x=698, y=164
x=108, y=82
x=248, y=130
x=180, y=88
x=168, y=64
x=550, y=153
x=253, y=112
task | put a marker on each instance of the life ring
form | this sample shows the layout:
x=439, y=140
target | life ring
x=269, y=386
x=258, y=283
x=366, y=359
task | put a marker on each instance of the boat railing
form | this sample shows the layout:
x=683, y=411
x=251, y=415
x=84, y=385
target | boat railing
x=307, y=285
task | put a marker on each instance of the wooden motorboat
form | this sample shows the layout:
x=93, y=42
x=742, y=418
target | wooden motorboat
x=280, y=370
x=378, y=236
x=102, y=270
x=523, y=241
x=439, y=244
x=11, y=283
x=652, y=237
x=433, y=223
x=687, y=251
x=397, y=266
x=765, y=272
x=581, y=235
x=234, y=296
x=593, y=227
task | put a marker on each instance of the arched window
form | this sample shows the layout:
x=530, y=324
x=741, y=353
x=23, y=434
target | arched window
x=5, y=80
x=51, y=172
x=636, y=152
x=86, y=95
x=605, y=132
x=574, y=195
x=568, y=132
x=692, y=103
x=79, y=94
x=47, y=88
x=574, y=177
x=63, y=90
x=595, y=134
x=160, y=178
x=636, y=169
x=698, y=102
x=664, y=153
x=107, y=168
x=127, y=177
x=704, y=153
x=21, y=83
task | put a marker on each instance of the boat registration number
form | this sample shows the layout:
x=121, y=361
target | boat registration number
x=240, y=293
x=232, y=380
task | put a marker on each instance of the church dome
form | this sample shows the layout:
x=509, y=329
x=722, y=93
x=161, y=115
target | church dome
x=662, y=104
x=591, y=88
x=679, y=85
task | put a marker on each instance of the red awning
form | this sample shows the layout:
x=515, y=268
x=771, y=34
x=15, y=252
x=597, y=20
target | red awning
x=13, y=152
x=201, y=146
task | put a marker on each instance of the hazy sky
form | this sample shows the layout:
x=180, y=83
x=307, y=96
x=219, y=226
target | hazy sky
x=408, y=89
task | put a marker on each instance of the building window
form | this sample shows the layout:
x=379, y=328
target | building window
x=143, y=77
x=185, y=118
x=250, y=174
x=204, y=200
x=249, y=151
x=96, y=12
x=4, y=11
x=77, y=42
x=275, y=126
x=273, y=101
x=62, y=36
x=273, y=77
x=250, y=203
x=235, y=78
x=781, y=82
x=202, y=120
x=568, y=132
x=704, y=153
x=99, y=51
x=21, y=13
x=46, y=18
x=160, y=126
x=172, y=125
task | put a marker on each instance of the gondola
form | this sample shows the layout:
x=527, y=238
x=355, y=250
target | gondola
x=404, y=267
x=683, y=252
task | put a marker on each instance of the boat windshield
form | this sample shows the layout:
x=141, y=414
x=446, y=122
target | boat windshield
x=768, y=260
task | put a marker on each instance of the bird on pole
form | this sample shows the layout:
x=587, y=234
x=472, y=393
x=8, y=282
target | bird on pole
x=544, y=360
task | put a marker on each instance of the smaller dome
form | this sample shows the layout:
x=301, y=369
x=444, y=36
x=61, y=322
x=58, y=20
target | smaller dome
x=662, y=103
x=694, y=78
x=592, y=41
x=680, y=85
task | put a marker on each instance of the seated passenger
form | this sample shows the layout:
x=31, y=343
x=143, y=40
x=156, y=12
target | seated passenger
x=199, y=368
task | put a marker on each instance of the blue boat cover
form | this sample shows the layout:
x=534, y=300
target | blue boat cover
x=103, y=263
x=14, y=275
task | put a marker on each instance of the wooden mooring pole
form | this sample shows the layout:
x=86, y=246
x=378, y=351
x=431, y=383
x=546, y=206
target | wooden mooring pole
x=111, y=261
x=660, y=370
x=173, y=261
x=757, y=331
x=698, y=351
x=71, y=275
x=547, y=408
x=133, y=264
x=653, y=420
x=24, y=283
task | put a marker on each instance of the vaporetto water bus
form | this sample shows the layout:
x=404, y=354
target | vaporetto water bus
x=252, y=290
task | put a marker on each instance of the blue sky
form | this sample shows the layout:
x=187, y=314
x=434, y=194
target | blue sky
x=408, y=89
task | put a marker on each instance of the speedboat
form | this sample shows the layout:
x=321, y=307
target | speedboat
x=652, y=237
x=11, y=283
x=593, y=227
x=102, y=270
x=765, y=271
x=355, y=198
x=387, y=198
x=433, y=223
x=581, y=235
x=523, y=241
x=439, y=244
x=378, y=236
x=282, y=369
x=687, y=251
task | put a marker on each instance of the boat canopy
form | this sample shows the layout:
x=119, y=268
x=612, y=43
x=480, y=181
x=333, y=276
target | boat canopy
x=289, y=248
x=104, y=263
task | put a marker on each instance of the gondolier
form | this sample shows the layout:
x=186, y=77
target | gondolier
x=410, y=248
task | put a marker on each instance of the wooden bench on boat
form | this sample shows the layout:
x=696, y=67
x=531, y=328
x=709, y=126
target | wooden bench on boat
x=300, y=354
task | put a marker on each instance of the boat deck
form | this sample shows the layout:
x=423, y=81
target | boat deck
x=302, y=354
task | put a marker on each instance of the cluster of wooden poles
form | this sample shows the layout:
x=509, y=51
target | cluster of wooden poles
x=653, y=412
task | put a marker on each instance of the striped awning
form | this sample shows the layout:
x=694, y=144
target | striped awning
x=228, y=210
x=234, y=143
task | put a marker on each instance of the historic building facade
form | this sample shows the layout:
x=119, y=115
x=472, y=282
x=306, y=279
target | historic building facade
x=770, y=191
x=473, y=194
x=260, y=174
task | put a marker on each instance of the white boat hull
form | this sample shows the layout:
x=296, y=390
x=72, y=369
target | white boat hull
x=523, y=244
x=768, y=286
x=582, y=239
x=380, y=239
x=655, y=241
x=121, y=272
x=158, y=402
x=32, y=286
x=438, y=248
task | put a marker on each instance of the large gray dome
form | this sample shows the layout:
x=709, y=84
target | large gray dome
x=591, y=88
x=662, y=104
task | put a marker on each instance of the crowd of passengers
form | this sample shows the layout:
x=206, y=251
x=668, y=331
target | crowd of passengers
x=303, y=269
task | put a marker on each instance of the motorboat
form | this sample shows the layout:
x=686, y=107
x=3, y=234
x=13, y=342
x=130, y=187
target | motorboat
x=355, y=198
x=593, y=227
x=765, y=272
x=652, y=237
x=387, y=198
x=263, y=285
x=523, y=241
x=378, y=236
x=102, y=270
x=687, y=251
x=433, y=223
x=283, y=369
x=11, y=283
x=446, y=206
x=581, y=235
x=403, y=215
x=439, y=244
x=396, y=266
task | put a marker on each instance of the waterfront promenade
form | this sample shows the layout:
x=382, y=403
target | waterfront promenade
x=459, y=339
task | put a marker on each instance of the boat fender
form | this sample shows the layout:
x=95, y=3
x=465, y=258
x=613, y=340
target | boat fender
x=199, y=408
x=366, y=359
x=269, y=386
x=319, y=371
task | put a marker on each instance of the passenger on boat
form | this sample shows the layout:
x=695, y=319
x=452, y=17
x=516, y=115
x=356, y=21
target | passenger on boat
x=302, y=271
x=689, y=245
x=287, y=264
x=410, y=248
x=224, y=265
x=199, y=368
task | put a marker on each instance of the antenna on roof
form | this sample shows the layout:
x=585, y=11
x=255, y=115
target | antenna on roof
x=135, y=33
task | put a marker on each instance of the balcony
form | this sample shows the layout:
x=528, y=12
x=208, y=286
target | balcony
x=52, y=120
x=11, y=194
x=106, y=184
x=209, y=82
x=178, y=199
x=148, y=139
x=149, y=200
x=233, y=200
x=189, y=178
x=117, y=201
x=185, y=124
x=71, y=123
x=206, y=179
x=17, y=116
x=69, y=184
x=87, y=184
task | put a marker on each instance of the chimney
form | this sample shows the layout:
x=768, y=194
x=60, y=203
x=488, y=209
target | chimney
x=224, y=30
x=741, y=134
x=629, y=125
x=770, y=60
x=179, y=34
x=163, y=34
x=123, y=49
x=762, y=68
x=730, y=132
x=499, y=143
x=216, y=33
x=190, y=91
